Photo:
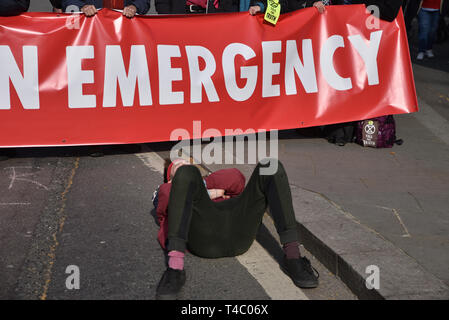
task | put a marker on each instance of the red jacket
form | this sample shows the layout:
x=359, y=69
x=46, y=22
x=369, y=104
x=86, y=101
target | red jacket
x=432, y=4
x=231, y=180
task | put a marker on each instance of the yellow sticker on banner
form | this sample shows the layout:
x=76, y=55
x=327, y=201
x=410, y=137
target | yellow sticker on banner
x=273, y=11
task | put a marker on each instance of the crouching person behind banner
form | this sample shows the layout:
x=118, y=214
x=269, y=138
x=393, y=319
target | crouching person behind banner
x=219, y=217
x=13, y=7
x=89, y=8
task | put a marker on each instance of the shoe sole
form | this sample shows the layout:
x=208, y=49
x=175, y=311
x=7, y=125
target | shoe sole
x=175, y=296
x=166, y=297
x=305, y=285
x=96, y=155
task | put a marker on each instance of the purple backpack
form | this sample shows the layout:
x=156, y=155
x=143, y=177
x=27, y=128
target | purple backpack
x=377, y=132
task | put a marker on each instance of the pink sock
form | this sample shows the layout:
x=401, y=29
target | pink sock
x=291, y=250
x=176, y=260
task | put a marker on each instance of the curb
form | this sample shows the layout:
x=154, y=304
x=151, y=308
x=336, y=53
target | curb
x=347, y=247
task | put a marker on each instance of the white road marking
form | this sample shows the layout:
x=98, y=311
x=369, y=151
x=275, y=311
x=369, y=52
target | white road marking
x=152, y=160
x=267, y=272
x=396, y=214
x=259, y=263
x=15, y=204
x=20, y=177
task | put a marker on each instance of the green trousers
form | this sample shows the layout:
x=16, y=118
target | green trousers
x=228, y=228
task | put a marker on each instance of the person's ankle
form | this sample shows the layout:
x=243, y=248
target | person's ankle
x=176, y=260
x=291, y=250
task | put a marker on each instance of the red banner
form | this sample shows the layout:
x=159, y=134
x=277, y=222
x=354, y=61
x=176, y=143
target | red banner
x=72, y=80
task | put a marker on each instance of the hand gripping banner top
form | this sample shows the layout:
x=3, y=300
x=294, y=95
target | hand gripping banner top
x=72, y=80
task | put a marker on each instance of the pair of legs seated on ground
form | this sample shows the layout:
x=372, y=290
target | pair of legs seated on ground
x=228, y=228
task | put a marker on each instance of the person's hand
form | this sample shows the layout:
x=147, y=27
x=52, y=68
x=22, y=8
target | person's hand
x=56, y=10
x=217, y=193
x=320, y=6
x=89, y=10
x=130, y=11
x=253, y=10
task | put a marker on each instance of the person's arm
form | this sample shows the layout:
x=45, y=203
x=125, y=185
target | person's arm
x=25, y=4
x=217, y=194
x=261, y=5
x=162, y=201
x=163, y=6
x=142, y=6
x=232, y=181
x=309, y=3
x=256, y=7
x=85, y=6
x=162, y=212
x=57, y=4
x=389, y=9
x=319, y=5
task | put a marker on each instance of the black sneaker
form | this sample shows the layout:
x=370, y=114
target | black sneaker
x=170, y=284
x=302, y=272
x=340, y=142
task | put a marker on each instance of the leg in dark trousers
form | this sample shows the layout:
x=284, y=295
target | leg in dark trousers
x=228, y=228
x=262, y=191
x=340, y=133
x=410, y=12
x=187, y=191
